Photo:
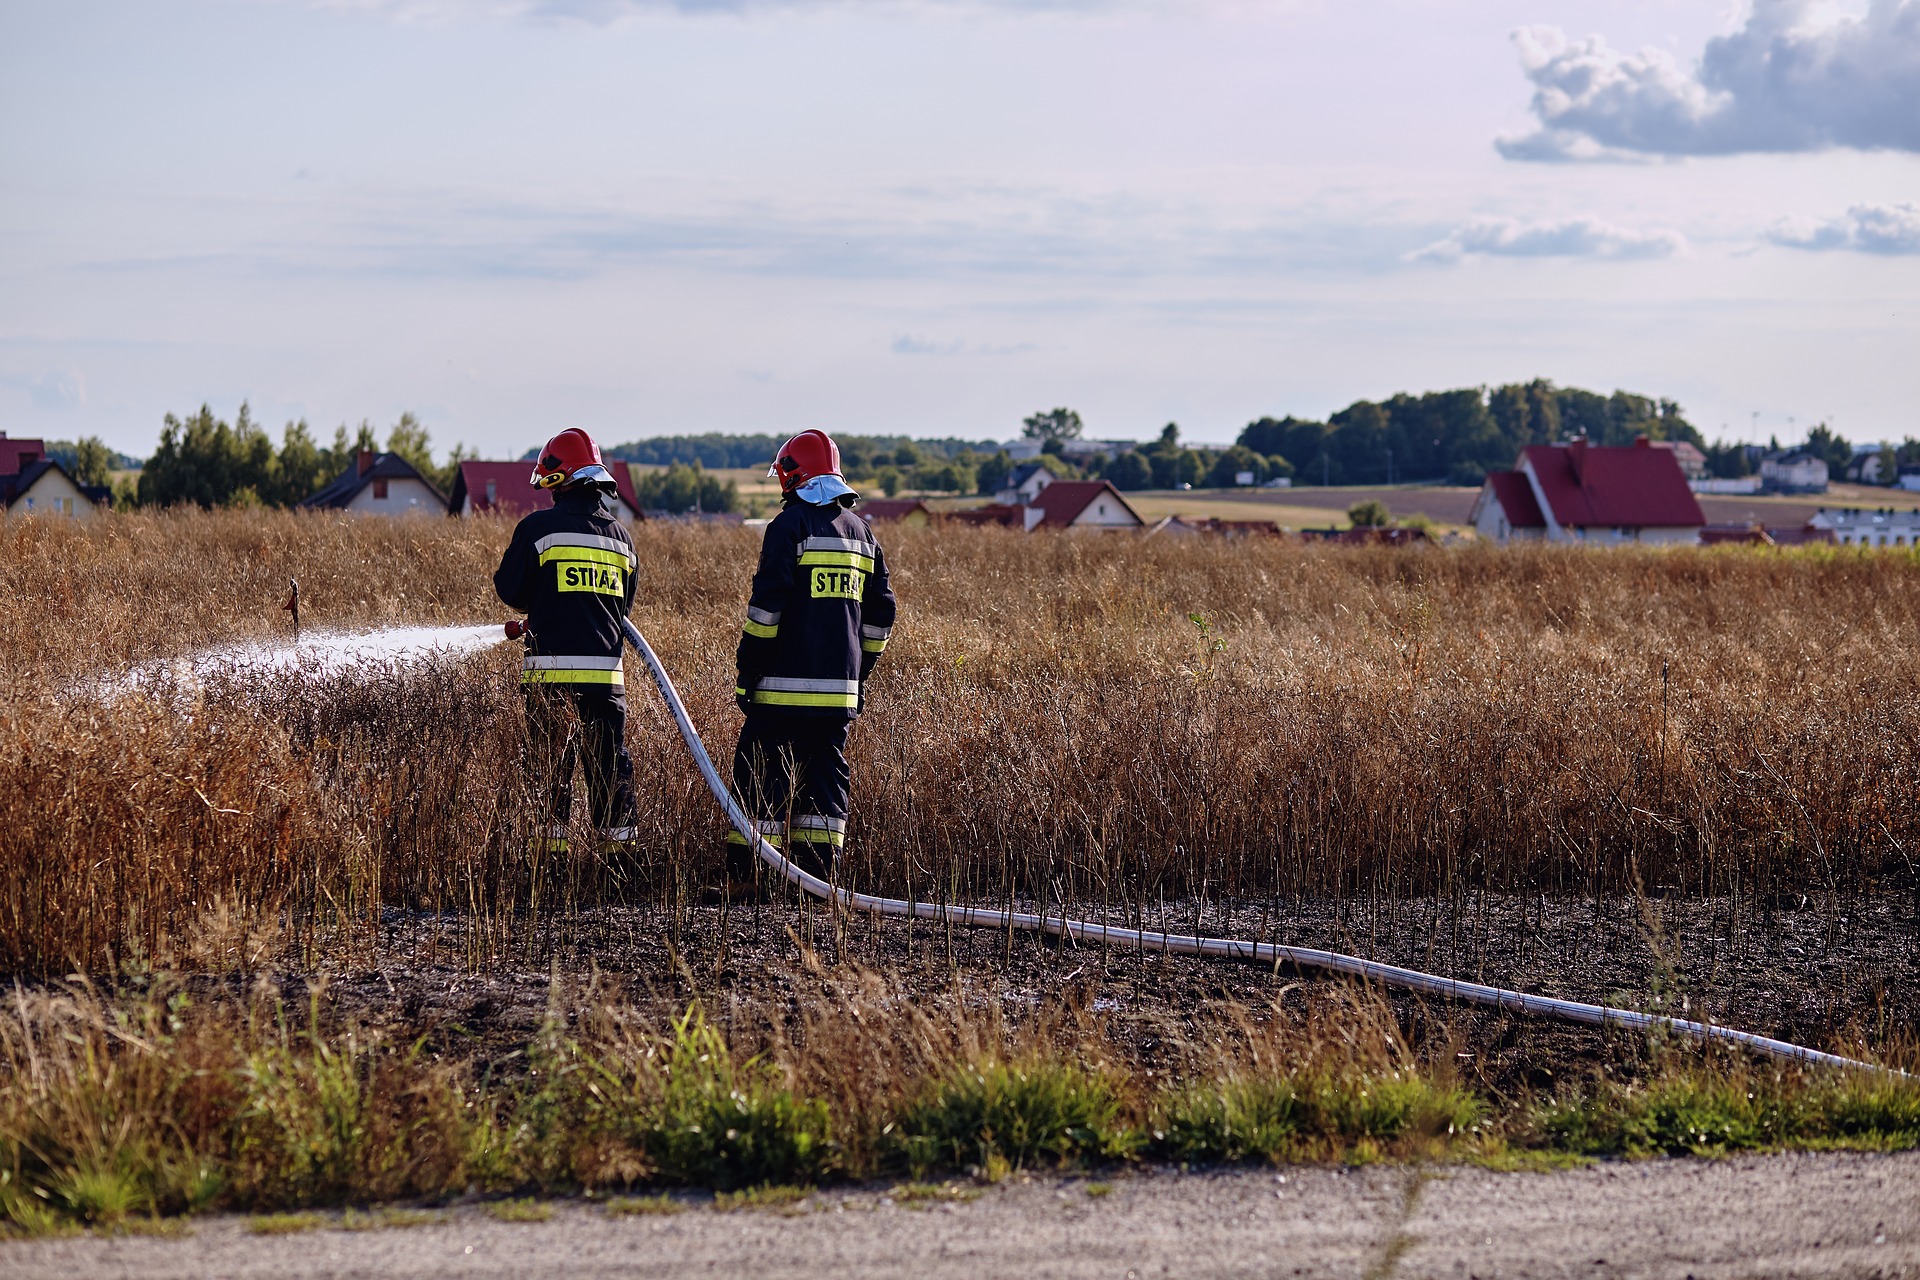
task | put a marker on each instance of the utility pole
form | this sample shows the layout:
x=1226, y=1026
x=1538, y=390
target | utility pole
x=1389, y=467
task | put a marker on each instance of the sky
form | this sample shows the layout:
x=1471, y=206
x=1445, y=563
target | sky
x=934, y=217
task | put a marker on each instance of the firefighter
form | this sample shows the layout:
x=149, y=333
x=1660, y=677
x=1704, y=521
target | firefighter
x=570, y=569
x=817, y=621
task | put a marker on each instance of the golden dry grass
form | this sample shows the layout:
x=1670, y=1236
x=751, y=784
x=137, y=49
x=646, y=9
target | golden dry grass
x=1103, y=721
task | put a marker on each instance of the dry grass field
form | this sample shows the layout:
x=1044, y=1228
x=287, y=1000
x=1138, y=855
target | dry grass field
x=1652, y=776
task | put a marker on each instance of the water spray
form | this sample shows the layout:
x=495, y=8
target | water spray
x=1273, y=953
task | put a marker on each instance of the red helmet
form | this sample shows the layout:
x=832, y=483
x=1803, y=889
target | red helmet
x=570, y=458
x=807, y=456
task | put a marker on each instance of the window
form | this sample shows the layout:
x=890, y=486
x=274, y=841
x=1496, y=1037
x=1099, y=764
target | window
x=379, y=490
x=493, y=495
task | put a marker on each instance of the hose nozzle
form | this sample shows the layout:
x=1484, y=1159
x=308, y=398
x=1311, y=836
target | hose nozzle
x=517, y=629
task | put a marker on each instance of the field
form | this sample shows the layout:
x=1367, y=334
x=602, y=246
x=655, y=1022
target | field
x=1679, y=780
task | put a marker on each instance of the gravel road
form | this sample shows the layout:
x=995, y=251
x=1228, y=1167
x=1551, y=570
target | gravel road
x=1778, y=1216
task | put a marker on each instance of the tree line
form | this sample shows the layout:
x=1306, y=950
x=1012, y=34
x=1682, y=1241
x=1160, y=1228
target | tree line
x=1453, y=437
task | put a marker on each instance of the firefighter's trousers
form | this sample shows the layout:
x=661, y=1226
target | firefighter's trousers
x=791, y=772
x=570, y=726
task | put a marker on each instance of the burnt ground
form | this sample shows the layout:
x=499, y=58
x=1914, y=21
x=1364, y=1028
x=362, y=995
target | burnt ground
x=1843, y=976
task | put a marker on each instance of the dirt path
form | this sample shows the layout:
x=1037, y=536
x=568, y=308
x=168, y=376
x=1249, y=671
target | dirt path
x=1799, y=1216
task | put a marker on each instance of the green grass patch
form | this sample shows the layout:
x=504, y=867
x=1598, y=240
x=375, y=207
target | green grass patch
x=768, y=1197
x=521, y=1210
x=643, y=1206
x=390, y=1217
x=285, y=1224
x=991, y=1116
x=1320, y=1115
x=1722, y=1113
x=918, y=1195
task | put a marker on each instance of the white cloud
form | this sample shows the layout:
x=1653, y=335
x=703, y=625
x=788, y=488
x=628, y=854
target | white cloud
x=1864, y=228
x=1566, y=238
x=1787, y=80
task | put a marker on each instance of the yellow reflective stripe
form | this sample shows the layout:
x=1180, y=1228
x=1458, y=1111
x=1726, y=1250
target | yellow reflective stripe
x=760, y=630
x=874, y=646
x=563, y=675
x=838, y=559
x=785, y=698
x=594, y=554
x=833, y=838
x=734, y=837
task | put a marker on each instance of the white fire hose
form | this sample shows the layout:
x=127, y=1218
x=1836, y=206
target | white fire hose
x=1183, y=944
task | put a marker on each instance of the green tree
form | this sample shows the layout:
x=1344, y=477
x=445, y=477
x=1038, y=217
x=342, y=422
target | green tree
x=991, y=476
x=681, y=488
x=92, y=461
x=302, y=466
x=1130, y=471
x=205, y=461
x=1827, y=443
x=1371, y=514
x=1228, y=464
x=1052, y=424
x=943, y=477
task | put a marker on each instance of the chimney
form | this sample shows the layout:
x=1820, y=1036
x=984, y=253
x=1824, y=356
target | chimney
x=1643, y=442
x=1577, y=455
x=366, y=461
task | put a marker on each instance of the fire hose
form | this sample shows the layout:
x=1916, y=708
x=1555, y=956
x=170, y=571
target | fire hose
x=1061, y=926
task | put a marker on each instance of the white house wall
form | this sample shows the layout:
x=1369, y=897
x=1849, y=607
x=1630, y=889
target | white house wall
x=1105, y=512
x=405, y=497
x=53, y=495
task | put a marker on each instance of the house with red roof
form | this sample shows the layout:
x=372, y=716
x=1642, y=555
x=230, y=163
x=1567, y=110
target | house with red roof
x=908, y=511
x=31, y=483
x=1064, y=504
x=1081, y=504
x=1580, y=492
x=502, y=488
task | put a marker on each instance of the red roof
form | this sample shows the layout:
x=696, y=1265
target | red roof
x=1064, y=500
x=513, y=496
x=991, y=513
x=11, y=452
x=891, y=508
x=1516, y=499
x=1636, y=486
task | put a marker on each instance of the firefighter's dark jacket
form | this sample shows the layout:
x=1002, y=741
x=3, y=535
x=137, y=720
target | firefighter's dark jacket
x=570, y=569
x=820, y=613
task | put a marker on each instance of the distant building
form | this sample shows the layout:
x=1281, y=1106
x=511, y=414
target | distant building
x=1082, y=504
x=1858, y=527
x=1693, y=463
x=383, y=484
x=1213, y=526
x=1064, y=504
x=1580, y=492
x=1795, y=471
x=1909, y=479
x=907, y=511
x=1737, y=486
x=31, y=483
x=1387, y=535
x=1865, y=466
x=993, y=513
x=502, y=488
x=1078, y=452
x=1024, y=484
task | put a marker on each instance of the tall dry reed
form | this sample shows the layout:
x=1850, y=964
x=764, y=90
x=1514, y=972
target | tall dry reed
x=1100, y=721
